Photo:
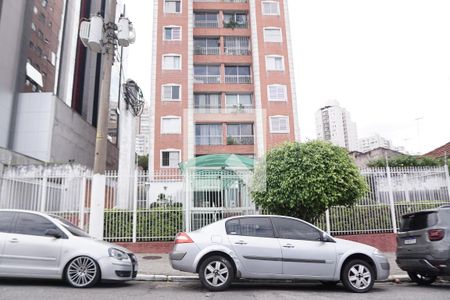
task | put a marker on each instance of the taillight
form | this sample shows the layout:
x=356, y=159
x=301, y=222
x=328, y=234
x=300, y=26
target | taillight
x=183, y=238
x=436, y=234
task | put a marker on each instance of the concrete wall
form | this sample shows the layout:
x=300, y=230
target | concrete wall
x=11, y=27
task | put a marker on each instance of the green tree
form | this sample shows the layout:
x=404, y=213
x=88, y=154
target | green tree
x=143, y=162
x=304, y=179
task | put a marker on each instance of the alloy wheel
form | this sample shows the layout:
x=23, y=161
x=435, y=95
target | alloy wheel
x=359, y=276
x=216, y=273
x=82, y=272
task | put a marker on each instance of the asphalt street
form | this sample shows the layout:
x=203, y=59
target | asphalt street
x=29, y=290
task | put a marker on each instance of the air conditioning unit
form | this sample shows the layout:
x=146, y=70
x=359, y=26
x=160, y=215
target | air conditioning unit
x=125, y=34
x=96, y=34
x=84, y=32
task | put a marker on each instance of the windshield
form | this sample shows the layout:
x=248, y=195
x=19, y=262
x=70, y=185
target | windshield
x=418, y=221
x=74, y=230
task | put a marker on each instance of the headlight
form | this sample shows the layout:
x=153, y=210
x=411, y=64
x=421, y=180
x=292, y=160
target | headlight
x=117, y=254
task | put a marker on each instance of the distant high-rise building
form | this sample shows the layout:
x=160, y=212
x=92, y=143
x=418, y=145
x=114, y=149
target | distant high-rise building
x=143, y=133
x=373, y=142
x=333, y=123
x=223, y=79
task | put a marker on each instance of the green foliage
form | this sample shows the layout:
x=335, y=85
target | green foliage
x=143, y=162
x=158, y=223
x=304, y=180
x=407, y=161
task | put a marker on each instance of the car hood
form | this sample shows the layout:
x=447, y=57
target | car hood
x=91, y=240
x=347, y=245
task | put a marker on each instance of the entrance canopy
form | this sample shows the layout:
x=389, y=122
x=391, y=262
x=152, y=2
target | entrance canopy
x=219, y=162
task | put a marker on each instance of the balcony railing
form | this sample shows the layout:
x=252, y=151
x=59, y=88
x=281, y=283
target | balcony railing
x=233, y=25
x=241, y=140
x=207, y=51
x=238, y=79
x=229, y=1
x=236, y=51
x=206, y=24
x=208, y=140
x=208, y=110
x=206, y=78
x=225, y=110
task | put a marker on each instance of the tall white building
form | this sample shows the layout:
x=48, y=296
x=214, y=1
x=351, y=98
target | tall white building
x=333, y=123
x=143, y=133
x=373, y=142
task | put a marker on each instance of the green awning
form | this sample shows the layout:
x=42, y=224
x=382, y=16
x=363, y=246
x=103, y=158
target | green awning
x=219, y=161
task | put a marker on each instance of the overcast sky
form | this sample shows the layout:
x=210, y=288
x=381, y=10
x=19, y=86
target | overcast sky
x=386, y=61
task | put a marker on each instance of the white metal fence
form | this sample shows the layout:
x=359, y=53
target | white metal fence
x=158, y=205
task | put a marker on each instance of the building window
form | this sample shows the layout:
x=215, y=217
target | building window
x=172, y=33
x=208, y=134
x=172, y=6
x=238, y=101
x=170, y=158
x=273, y=35
x=236, y=45
x=279, y=124
x=206, y=73
x=206, y=46
x=274, y=63
x=171, y=92
x=33, y=27
x=237, y=74
x=270, y=8
x=277, y=92
x=207, y=103
x=40, y=35
x=206, y=20
x=171, y=125
x=240, y=134
x=44, y=3
x=171, y=62
x=235, y=20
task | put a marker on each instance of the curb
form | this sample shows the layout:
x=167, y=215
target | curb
x=183, y=278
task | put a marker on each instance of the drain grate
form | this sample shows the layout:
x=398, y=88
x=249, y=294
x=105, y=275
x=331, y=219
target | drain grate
x=152, y=257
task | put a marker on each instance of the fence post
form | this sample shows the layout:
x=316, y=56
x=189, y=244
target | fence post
x=327, y=220
x=188, y=200
x=82, y=202
x=43, y=192
x=447, y=179
x=391, y=198
x=135, y=198
x=97, y=215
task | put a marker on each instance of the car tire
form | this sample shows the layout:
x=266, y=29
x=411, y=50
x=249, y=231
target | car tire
x=82, y=272
x=422, y=279
x=358, y=276
x=216, y=273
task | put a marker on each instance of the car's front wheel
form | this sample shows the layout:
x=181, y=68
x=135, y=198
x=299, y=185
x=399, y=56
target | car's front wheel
x=422, y=279
x=82, y=272
x=216, y=273
x=358, y=276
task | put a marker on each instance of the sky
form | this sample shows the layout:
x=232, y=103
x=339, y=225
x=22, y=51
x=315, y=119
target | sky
x=386, y=61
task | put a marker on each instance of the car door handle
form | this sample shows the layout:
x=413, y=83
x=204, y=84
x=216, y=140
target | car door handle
x=241, y=243
x=14, y=240
x=288, y=246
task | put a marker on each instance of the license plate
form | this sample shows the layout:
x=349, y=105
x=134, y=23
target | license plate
x=410, y=241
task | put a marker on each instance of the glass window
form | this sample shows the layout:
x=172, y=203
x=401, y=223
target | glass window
x=6, y=219
x=272, y=35
x=170, y=159
x=237, y=100
x=274, y=63
x=208, y=134
x=32, y=224
x=233, y=227
x=172, y=33
x=171, y=92
x=279, y=124
x=418, y=221
x=170, y=125
x=277, y=92
x=207, y=100
x=172, y=6
x=295, y=230
x=271, y=8
x=258, y=227
x=172, y=62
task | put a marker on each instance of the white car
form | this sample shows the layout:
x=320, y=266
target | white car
x=36, y=245
x=275, y=247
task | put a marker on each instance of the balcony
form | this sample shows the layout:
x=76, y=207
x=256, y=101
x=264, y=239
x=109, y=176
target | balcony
x=241, y=140
x=236, y=51
x=206, y=78
x=226, y=1
x=206, y=51
x=208, y=140
x=233, y=24
x=206, y=24
x=238, y=79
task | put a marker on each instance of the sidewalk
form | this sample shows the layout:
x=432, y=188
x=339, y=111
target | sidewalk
x=156, y=267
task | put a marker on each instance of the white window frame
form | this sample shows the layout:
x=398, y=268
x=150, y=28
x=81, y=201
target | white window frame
x=178, y=131
x=273, y=28
x=172, y=27
x=275, y=56
x=270, y=2
x=272, y=130
x=285, y=99
x=172, y=55
x=161, y=158
x=170, y=12
x=170, y=99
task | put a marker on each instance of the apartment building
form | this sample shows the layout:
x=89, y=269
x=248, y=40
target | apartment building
x=222, y=79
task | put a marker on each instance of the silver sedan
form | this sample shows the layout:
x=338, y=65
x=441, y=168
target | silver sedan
x=36, y=245
x=275, y=247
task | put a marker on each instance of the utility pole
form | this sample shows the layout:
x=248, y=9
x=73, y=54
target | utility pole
x=101, y=141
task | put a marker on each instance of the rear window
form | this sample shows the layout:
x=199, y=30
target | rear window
x=418, y=221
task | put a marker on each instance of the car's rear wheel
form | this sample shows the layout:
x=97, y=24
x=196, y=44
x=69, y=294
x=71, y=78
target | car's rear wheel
x=82, y=272
x=216, y=273
x=422, y=279
x=358, y=276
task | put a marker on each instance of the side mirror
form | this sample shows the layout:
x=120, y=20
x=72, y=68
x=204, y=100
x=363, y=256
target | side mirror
x=54, y=233
x=326, y=238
